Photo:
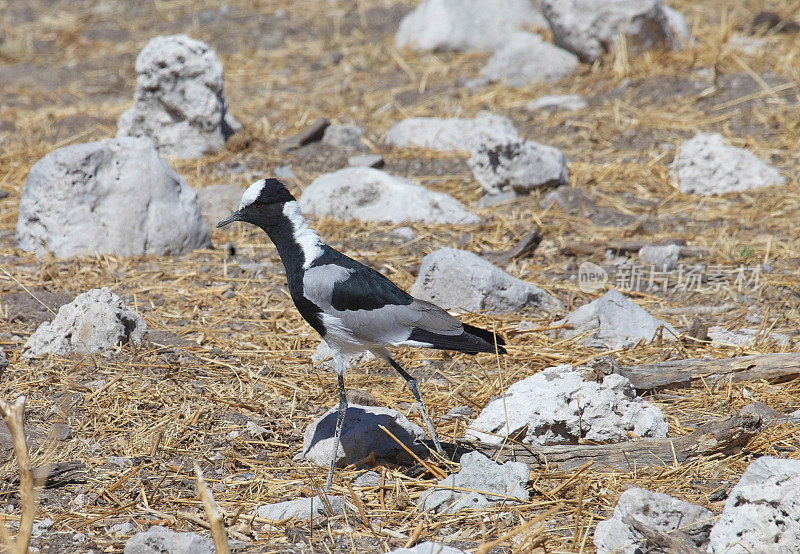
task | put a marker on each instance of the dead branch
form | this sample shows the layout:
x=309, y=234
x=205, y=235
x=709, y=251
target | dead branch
x=212, y=513
x=681, y=373
x=711, y=438
x=14, y=416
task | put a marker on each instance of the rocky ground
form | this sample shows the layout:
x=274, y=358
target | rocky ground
x=224, y=374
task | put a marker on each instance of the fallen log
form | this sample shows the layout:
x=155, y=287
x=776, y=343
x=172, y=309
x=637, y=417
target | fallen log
x=718, y=437
x=681, y=373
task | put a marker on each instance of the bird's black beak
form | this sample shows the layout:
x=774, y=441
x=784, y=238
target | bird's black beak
x=235, y=216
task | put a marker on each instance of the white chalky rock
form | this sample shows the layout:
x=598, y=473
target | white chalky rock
x=95, y=321
x=468, y=25
x=561, y=101
x=747, y=336
x=589, y=28
x=557, y=406
x=113, y=196
x=706, y=166
x=520, y=165
x=656, y=511
x=344, y=136
x=762, y=513
x=160, y=540
x=361, y=435
x=616, y=322
x=178, y=102
x=457, y=279
x=301, y=508
x=661, y=257
x=486, y=483
x=428, y=547
x=451, y=134
x=373, y=195
x=527, y=59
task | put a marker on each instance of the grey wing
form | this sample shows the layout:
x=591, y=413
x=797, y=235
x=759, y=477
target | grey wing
x=429, y=317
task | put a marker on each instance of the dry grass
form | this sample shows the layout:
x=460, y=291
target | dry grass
x=224, y=361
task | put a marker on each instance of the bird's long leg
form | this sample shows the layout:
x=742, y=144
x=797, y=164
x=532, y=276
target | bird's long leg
x=412, y=384
x=338, y=433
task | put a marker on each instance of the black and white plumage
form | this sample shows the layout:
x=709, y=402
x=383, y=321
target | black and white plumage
x=353, y=307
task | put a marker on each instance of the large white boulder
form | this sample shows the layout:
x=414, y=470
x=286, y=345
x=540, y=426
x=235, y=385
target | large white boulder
x=615, y=321
x=114, y=196
x=361, y=434
x=178, y=102
x=468, y=25
x=589, y=28
x=460, y=280
x=496, y=483
x=519, y=165
x=373, y=195
x=96, y=321
x=451, y=134
x=706, y=166
x=656, y=511
x=557, y=406
x=527, y=59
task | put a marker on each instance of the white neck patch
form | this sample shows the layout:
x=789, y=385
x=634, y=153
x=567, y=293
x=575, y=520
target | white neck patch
x=252, y=192
x=309, y=241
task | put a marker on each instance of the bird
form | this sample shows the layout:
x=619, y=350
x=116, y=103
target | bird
x=353, y=307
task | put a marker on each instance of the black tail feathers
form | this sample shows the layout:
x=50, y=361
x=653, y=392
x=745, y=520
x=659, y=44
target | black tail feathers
x=471, y=341
x=487, y=336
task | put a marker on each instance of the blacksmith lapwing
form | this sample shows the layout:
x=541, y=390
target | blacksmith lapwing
x=353, y=307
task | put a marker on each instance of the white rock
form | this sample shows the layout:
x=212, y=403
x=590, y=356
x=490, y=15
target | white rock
x=746, y=336
x=527, y=59
x=619, y=323
x=520, y=165
x=218, y=202
x=301, y=508
x=42, y=526
x=456, y=279
x=160, y=540
x=322, y=356
x=478, y=473
x=96, y=321
x=366, y=160
x=360, y=436
x=762, y=513
x=468, y=25
x=344, y=136
x=657, y=511
x=178, y=102
x=113, y=196
x=706, y=166
x=450, y=134
x=681, y=31
x=121, y=528
x=428, y=547
x=404, y=233
x=562, y=101
x=558, y=406
x=662, y=257
x=373, y=195
x=368, y=479
x=589, y=28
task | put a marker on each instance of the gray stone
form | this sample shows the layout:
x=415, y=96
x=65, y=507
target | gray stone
x=616, y=322
x=565, y=102
x=520, y=165
x=285, y=172
x=96, y=321
x=589, y=28
x=366, y=160
x=178, y=102
x=373, y=195
x=467, y=25
x=662, y=257
x=762, y=513
x=42, y=526
x=489, y=200
x=527, y=59
x=218, y=202
x=114, y=196
x=746, y=337
x=556, y=406
x=655, y=510
x=120, y=529
x=368, y=479
x=767, y=414
x=344, y=136
x=428, y=547
x=706, y=166
x=486, y=481
x=119, y=461
x=451, y=134
x=361, y=435
x=404, y=233
x=160, y=540
x=301, y=508
x=457, y=279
